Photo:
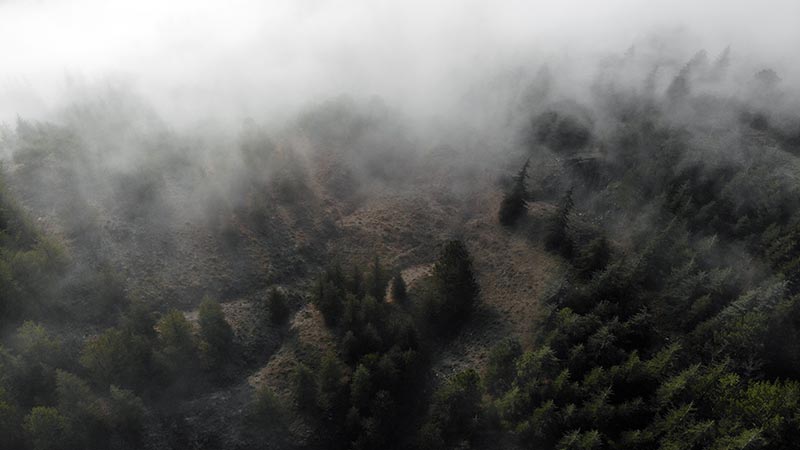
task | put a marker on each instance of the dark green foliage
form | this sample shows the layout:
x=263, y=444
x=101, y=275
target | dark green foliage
x=558, y=238
x=119, y=357
x=329, y=292
x=455, y=411
x=215, y=334
x=269, y=413
x=30, y=264
x=304, y=388
x=176, y=343
x=46, y=429
x=514, y=200
x=377, y=281
x=398, y=288
x=80, y=409
x=629, y=358
x=331, y=384
x=361, y=388
x=456, y=290
x=675, y=325
x=277, y=307
x=126, y=416
x=368, y=401
x=10, y=423
x=500, y=369
x=356, y=284
x=593, y=258
x=139, y=320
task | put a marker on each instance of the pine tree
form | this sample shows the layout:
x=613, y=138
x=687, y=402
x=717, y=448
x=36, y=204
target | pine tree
x=277, y=308
x=330, y=383
x=216, y=334
x=304, y=387
x=377, y=281
x=513, y=204
x=356, y=283
x=399, y=291
x=594, y=257
x=558, y=239
x=328, y=298
x=456, y=288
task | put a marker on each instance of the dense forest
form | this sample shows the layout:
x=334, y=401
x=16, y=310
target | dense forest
x=346, y=282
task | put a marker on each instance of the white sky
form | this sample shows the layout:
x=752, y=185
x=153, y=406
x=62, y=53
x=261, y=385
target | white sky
x=245, y=56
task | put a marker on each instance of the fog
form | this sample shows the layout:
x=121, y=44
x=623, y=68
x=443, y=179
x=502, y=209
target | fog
x=223, y=61
x=594, y=205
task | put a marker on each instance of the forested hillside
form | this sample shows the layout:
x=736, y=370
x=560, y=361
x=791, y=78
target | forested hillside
x=615, y=270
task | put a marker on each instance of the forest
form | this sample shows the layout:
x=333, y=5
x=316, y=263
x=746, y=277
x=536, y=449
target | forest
x=610, y=267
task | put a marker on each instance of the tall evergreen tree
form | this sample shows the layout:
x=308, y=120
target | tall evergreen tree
x=558, y=239
x=513, y=204
x=216, y=334
x=377, y=280
x=277, y=309
x=399, y=290
x=456, y=288
x=594, y=257
x=356, y=283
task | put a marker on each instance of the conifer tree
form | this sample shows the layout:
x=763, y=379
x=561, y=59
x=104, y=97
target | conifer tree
x=216, y=334
x=356, y=283
x=277, y=308
x=558, y=239
x=513, y=204
x=594, y=257
x=377, y=281
x=456, y=288
x=399, y=290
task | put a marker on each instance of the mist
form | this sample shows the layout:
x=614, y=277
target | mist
x=226, y=61
x=324, y=224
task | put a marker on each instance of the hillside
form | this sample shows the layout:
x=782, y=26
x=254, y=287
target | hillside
x=613, y=273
